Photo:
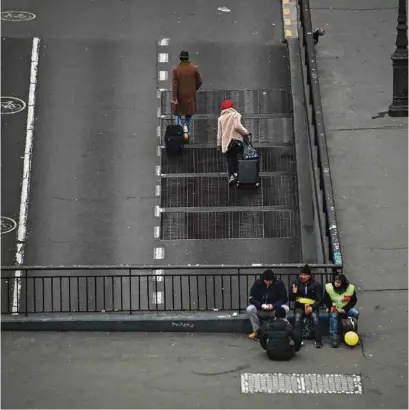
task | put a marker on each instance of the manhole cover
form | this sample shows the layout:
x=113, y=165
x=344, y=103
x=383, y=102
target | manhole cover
x=7, y=225
x=12, y=105
x=17, y=16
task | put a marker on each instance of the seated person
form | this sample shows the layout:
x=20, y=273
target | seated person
x=307, y=294
x=266, y=295
x=278, y=338
x=340, y=300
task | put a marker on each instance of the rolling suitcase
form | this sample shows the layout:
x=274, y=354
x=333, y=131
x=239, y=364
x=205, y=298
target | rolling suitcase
x=174, y=138
x=248, y=168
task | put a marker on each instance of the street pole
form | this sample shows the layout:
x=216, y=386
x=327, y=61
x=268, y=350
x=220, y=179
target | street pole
x=399, y=106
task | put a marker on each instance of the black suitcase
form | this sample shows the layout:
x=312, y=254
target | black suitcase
x=174, y=141
x=248, y=168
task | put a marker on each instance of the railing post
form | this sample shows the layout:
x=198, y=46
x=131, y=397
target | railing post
x=239, y=287
x=26, y=293
x=130, y=291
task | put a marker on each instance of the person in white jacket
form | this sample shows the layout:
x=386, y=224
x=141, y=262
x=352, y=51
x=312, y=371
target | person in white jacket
x=230, y=133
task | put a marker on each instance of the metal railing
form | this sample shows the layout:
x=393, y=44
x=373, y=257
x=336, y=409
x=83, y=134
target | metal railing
x=318, y=139
x=81, y=289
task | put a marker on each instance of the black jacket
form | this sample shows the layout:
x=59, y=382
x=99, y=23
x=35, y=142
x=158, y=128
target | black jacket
x=275, y=294
x=278, y=338
x=314, y=291
x=350, y=305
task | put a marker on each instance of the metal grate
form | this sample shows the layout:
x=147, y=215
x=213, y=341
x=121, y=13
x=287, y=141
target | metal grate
x=205, y=160
x=178, y=192
x=275, y=130
x=229, y=225
x=299, y=383
x=244, y=101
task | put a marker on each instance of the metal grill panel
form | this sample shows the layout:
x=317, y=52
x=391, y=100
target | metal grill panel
x=229, y=225
x=276, y=130
x=179, y=192
x=245, y=101
x=206, y=160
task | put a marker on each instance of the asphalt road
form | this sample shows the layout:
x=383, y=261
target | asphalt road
x=93, y=180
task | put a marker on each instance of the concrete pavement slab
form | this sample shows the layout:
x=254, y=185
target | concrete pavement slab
x=136, y=370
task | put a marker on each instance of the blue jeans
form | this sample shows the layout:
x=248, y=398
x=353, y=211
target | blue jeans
x=180, y=121
x=333, y=320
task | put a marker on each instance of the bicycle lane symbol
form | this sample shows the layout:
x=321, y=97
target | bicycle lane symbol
x=12, y=105
x=17, y=15
x=7, y=225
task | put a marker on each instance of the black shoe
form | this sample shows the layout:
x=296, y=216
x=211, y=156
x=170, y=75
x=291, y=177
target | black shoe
x=232, y=180
x=335, y=342
x=318, y=344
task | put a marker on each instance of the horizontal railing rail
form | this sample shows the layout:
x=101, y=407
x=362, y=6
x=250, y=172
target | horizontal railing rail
x=145, y=288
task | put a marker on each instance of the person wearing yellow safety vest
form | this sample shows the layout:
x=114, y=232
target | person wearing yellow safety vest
x=340, y=300
x=307, y=294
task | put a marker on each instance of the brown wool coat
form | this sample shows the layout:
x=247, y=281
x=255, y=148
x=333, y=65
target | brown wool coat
x=186, y=81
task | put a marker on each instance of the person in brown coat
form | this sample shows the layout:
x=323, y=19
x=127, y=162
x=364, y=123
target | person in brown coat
x=186, y=80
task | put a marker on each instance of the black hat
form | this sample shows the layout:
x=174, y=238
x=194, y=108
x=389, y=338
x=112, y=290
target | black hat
x=280, y=313
x=269, y=275
x=184, y=55
x=306, y=270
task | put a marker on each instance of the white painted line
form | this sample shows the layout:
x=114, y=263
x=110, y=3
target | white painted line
x=163, y=57
x=158, y=150
x=158, y=133
x=159, y=253
x=163, y=75
x=159, y=273
x=157, y=190
x=164, y=42
x=158, y=170
x=157, y=298
x=25, y=185
x=157, y=210
x=158, y=114
x=156, y=232
x=256, y=264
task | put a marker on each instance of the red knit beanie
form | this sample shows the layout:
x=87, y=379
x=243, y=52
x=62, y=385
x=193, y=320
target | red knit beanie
x=227, y=104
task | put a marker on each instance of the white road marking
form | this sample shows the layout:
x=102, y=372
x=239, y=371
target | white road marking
x=25, y=185
x=163, y=75
x=157, y=210
x=158, y=114
x=159, y=253
x=158, y=133
x=157, y=190
x=158, y=170
x=157, y=298
x=163, y=57
x=156, y=232
x=158, y=151
x=164, y=42
x=158, y=275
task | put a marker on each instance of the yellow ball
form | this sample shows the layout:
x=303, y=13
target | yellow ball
x=351, y=338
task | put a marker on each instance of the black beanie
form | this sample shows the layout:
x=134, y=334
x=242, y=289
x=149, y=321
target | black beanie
x=184, y=55
x=269, y=275
x=306, y=270
x=280, y=312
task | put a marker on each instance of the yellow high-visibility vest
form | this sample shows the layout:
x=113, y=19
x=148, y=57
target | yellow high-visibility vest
x=338, y=299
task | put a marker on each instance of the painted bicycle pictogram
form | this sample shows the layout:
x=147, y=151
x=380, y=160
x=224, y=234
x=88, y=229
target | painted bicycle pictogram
x=7, y=225
x=17, y=15
x=12, y=105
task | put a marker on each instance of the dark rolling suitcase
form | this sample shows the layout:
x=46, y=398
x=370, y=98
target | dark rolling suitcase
x=174, y=138
x=248, y=168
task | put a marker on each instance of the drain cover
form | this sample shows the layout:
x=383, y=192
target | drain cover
x=294, y=383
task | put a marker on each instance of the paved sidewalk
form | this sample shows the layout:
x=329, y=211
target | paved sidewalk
x=368, y=157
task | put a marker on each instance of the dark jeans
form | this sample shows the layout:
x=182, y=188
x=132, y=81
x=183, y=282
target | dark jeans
x=315, y=316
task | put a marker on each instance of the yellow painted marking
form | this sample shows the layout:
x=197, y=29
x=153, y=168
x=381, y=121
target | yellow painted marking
x=287, y=22
x=288, y=33
x=286, y=12
x=286, y=1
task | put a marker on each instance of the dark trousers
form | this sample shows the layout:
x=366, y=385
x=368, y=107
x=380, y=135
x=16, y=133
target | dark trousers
x=231, y=157
x=299, y=315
